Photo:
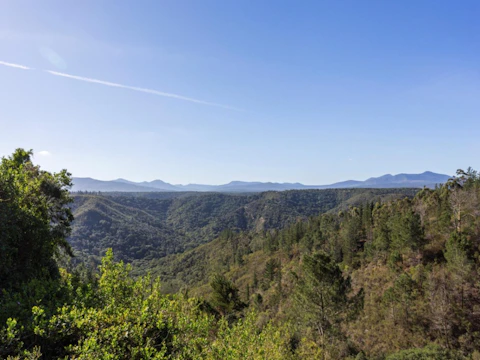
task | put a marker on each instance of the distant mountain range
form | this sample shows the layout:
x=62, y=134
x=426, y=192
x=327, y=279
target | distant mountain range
x=427, y=178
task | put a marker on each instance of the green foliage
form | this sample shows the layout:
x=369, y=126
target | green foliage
x=427, y=353
x=272, y=270
x=397, y=227
x=375, y=275
x=142, y=228
x=225, y=297
x=322, y=294
x=131, y=319
x=456, y=253
x=245, y=341
x=34, y=219
x=416, y=260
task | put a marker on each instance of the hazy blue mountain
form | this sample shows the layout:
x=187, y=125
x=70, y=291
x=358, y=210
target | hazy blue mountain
x=243, y=186
x=125, y=181
x=159, y=184
x=155, y=184
x=427, y=178
x=89, y=184
x=196, y=187
x=342, y=185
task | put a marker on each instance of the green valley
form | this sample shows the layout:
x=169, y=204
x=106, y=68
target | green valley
x=144, y=227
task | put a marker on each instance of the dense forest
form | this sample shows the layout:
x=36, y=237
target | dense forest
x=148, y=226
x=329, y=276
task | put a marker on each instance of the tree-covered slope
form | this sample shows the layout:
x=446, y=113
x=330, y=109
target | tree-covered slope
x=147, y=227
x=392, y=280
x=49, y=313
x=133, y=233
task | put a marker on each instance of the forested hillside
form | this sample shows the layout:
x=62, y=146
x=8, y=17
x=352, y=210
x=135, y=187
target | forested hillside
x=379, y=279
x=149, y=226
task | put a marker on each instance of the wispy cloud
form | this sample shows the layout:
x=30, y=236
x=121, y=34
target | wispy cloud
x=140, y=89
x=122, y=86
x=18, y=66
x=44, y=153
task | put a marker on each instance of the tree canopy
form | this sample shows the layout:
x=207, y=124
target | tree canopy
x=34, y=217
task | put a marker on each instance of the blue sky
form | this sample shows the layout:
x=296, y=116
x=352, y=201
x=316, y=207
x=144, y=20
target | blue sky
x=287, y=91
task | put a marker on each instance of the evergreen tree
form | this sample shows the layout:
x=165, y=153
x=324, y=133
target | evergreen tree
x=323, y=294
x=225, y=296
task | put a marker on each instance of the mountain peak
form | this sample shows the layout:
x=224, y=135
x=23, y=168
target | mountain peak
x=123, y=180
x=427, y=178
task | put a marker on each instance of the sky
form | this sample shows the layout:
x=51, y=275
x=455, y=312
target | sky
x=214, y=91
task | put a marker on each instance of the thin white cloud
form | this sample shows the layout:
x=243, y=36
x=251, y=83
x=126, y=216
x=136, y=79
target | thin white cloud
x=18, y=66
x=144, y=90
x=44, y=153
x=134, y=88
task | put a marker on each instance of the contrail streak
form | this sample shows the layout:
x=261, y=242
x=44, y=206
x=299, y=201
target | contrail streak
x=15, y=65
x=144, y=90
x=134, y=88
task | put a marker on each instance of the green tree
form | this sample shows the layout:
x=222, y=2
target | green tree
x=351, y=234
x=323, y=295
x=426, y=353
x=225, y=296
x=34, y=219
